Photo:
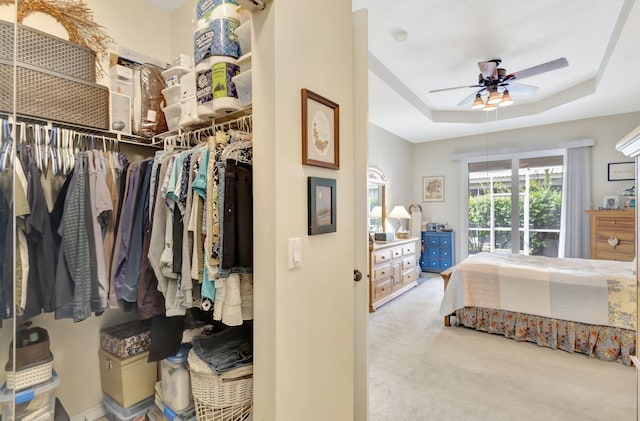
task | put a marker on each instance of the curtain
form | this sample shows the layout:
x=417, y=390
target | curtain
x=574, y=232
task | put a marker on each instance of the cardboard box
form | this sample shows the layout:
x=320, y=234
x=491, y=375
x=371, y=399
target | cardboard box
x=127, y=381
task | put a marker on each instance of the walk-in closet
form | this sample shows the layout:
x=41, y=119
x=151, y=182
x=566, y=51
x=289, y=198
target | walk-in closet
x=152, y=186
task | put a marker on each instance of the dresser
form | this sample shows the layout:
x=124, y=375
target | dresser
x=438, y=252
x=612, y=234
x=392, y=270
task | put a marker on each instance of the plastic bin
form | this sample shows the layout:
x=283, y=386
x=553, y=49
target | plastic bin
x=244, y=62
x=244, y=37
x=172, y=75
x=137, y=412
x=243, y=87
x=172, y=94
x=38, y=402
x=176, y=388
x=172, y=115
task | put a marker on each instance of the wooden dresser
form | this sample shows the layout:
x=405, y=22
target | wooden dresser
x=607, y=226
x=392, y=270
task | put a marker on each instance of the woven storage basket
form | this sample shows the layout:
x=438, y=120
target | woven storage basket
x=30, y=376
x=47, y=52
x=228, y=397
x=48, y=95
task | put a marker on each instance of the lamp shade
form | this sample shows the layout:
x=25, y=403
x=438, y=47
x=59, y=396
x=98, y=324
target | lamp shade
x=376, y=212
x=506, y=99
x=494, y=97
x=399, y=212
x=478, y=103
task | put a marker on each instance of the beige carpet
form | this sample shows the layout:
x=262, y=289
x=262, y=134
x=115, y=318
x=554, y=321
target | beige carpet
x=420, y=370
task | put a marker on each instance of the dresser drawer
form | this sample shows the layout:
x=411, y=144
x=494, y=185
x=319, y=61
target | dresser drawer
x=605, y=222
x=621, y=235
x=408, y=276
x=625, y=251
x=408, y=262
x=381, y=289
x=382, y=272
x=396, y=252
x=381, y=256
x=409, y=249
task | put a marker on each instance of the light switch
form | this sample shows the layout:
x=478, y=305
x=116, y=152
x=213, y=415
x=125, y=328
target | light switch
x=295, y=253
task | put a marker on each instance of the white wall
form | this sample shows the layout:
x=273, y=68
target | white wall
x=303, y=318
x=394, y=156
x=434, y=158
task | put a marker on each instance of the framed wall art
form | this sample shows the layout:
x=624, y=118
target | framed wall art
x=433, y=189
x=621, y=171
x=320, y=131
x=322, y=205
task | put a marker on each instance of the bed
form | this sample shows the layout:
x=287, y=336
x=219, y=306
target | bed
x=577, y=305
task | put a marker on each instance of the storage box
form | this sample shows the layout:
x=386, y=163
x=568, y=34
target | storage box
x=37, y=403
x=172, y=115
x=244, y=37
x=243, y=87
x=136, y=412
x=189, y=112
x=52, y=96
x=30, y=375
x=47, y=52
x=127, y=381
x=32, y=354
x=172, y=75
x=172, y=94
x=126, y=339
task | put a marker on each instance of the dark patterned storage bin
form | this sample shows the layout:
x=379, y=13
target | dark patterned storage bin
x=127, y=339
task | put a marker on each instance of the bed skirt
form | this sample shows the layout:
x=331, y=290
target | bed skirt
x=602, y=342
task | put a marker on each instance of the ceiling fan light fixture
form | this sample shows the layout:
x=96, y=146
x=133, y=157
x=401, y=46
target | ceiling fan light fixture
x=478, y=103
x=506, y=99
x=494, y=97
x=489, y=107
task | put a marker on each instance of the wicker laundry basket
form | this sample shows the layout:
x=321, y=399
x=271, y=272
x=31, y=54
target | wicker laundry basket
x=226, y=397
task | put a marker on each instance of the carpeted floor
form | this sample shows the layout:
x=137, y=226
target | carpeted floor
x=420, y=370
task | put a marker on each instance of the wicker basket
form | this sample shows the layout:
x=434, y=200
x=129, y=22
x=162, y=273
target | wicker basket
x=45, y=51
x=44, y=94
x=227, y=397
x=30, y=376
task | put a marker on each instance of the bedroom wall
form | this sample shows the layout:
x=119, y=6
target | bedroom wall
x=434, y=158
x=393, y=155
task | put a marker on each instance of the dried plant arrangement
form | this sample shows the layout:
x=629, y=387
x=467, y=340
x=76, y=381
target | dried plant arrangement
x=75, y=16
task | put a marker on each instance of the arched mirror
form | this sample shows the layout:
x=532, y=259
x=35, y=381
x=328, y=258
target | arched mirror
x=377, y=210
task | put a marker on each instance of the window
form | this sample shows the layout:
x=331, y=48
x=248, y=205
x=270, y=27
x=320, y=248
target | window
x=523, y=192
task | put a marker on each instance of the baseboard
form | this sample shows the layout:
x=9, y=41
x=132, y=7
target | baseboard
x=91, y=414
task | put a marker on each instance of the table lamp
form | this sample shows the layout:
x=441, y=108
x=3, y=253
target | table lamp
x=399, y=212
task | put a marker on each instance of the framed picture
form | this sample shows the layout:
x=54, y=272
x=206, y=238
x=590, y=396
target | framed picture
x=322, y=205
x=433, y=189
x=621, y=171
x=610, y=202
x=320, y=131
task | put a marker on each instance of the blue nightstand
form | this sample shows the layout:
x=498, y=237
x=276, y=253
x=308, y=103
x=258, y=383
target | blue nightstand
x=439, y=251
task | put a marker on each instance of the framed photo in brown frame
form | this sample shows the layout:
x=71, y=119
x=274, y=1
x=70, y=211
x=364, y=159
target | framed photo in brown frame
x=322, y=205
x=320, y=131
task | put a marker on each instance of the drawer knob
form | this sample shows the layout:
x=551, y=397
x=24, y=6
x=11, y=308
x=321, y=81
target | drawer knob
x=383, y=272
x=613, y=241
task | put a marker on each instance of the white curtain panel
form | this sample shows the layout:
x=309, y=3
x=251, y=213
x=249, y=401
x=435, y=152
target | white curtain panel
x=574, y=235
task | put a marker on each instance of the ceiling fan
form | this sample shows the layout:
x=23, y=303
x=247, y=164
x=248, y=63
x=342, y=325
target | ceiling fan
x=496, y=82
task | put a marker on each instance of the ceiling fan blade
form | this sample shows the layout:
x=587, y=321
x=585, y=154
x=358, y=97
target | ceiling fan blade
x=488, y=69
x=540, y=68
x=467, y=100
x=520, y=88
x=455, y=87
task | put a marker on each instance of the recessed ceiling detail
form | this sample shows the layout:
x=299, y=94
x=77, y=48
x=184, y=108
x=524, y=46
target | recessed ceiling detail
x=449, y=40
